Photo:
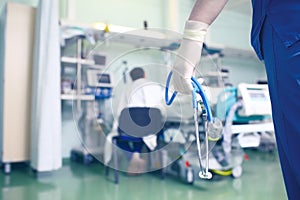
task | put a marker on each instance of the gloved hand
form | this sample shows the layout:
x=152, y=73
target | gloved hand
x=189, y=55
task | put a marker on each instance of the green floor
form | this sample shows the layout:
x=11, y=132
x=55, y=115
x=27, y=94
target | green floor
x=261, y=180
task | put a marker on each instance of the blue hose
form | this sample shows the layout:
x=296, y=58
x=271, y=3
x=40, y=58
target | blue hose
x=197, y=89
x=169, y=102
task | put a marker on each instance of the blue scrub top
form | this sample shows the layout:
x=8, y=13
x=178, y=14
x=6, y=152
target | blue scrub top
x=284, y=16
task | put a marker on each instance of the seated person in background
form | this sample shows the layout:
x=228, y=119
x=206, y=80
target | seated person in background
x=141, y=93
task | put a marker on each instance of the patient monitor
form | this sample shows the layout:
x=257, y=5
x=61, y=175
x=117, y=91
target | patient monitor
x=256, y=99
x=97, y=78
x=100, y=83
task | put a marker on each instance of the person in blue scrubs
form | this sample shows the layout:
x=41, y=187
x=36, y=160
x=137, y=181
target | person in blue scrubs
x=275, y=37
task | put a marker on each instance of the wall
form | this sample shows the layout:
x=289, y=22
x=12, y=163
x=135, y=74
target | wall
x=126, y=13
x=244, y=71
x=231, y=30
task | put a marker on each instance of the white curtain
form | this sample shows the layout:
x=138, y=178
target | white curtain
x=46, y=107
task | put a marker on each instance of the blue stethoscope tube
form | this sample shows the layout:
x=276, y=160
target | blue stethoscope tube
x=204, y=173
x=197, y=89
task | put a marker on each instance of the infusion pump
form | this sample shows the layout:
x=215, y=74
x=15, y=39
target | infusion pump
x=256, y=99
x=99, y=83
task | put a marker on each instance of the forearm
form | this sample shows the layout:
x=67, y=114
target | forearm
x=203, y=14
x=207, y=10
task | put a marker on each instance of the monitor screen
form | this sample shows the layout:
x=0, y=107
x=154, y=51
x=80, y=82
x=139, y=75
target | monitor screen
x=103, y=78
x=257, y=96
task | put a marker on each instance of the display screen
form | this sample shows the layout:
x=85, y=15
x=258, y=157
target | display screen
x=103, y=78
x=257, y=96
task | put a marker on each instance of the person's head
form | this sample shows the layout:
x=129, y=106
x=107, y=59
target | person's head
x=137, y=73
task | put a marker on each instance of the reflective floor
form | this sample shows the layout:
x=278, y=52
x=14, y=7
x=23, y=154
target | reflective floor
x=261, y=179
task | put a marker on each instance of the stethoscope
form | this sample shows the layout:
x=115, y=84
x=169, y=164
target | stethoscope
x=207, y=117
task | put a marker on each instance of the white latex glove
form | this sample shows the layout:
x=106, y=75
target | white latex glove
x=189, y=55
